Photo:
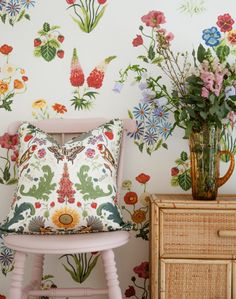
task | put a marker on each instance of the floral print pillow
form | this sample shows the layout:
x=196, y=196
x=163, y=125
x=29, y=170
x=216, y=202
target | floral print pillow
x=69, y=188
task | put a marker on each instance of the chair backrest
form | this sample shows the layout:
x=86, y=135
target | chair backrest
x=65, y=129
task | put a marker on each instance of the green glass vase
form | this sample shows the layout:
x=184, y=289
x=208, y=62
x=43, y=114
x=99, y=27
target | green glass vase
x=205, y=163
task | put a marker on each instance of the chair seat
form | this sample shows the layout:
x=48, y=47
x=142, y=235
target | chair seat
x=62, y=244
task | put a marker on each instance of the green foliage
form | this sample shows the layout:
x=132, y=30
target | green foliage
x=7, y=101
x=44, y=187
x=87, y=15
x=192, y=7
x=144, y=232
x=222, y=52
x=114, y=213
x=46, y=27
x=87, y=187
x=83, y=102
x=18, y=215
x=227, y=142
x=180, y=174
x=184, y=181
x=184, y=156
x=79, y=266
x=48, y=52
x=21, y=15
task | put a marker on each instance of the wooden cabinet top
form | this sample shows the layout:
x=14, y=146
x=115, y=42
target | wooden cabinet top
x=185, y=201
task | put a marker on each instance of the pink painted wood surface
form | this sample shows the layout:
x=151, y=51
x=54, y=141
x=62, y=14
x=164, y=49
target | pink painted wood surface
x=59, y=244
x=65, y=244
x=16, y=286
x=70, y=125
x=109, y=264
x=74, y=292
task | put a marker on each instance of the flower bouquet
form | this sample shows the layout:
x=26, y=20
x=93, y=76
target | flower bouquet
x=201, y=94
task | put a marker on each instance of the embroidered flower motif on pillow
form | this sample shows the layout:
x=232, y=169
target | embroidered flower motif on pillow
x=69, y=188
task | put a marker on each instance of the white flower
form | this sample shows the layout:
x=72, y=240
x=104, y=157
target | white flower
x=144, y=198
x=8, y=69
x=230, y=91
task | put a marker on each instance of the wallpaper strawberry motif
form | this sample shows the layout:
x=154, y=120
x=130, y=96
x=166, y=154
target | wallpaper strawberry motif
x=48, y=44
x=13, y=79
x=81, y=39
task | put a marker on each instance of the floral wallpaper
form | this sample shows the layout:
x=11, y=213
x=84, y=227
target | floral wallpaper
x=99, y=58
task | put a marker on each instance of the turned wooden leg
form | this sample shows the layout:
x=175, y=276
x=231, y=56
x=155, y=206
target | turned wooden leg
x=108, y=259
x=37, y=272
x=16, y=285
x=36, y=276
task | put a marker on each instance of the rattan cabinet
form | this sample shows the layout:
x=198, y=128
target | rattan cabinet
x=192, y=247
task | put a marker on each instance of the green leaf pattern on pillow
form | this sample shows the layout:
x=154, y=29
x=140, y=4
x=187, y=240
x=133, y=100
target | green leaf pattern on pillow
x=69, y=188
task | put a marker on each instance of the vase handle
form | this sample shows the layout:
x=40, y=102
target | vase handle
x=221, y=181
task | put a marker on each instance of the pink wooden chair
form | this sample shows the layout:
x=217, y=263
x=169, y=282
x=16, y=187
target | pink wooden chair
x=39, y=245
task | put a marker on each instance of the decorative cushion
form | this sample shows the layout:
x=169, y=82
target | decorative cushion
x=69, y=188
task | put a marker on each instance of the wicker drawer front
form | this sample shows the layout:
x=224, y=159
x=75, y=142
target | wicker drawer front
x=195, y=279
x=196, y=233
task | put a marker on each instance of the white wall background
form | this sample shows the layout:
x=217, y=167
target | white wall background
x=50, y=81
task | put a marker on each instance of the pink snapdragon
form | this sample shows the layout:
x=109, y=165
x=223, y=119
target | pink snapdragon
x=205, y=92
x=165, y=38
x=208, y=79
x=154, y=18
x=169, y=36
x=218, y=83
x=212, y=82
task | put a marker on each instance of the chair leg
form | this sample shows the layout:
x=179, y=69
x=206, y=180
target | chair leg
x=108, y=259
x=16, y=286
x=36, y=276
x=37, y=273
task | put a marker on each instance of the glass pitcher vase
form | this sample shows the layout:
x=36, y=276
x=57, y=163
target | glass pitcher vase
x=205, y=163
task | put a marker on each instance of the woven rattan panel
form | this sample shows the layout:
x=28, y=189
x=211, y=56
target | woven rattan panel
x=195, y=281
x=194, y=233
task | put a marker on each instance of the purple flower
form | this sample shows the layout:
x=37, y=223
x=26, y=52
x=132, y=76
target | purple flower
x=142, y=85
x=141, y=111
x=13, y=8
x=161, y=101
x=138, y=133
x=90, y=153
x=164, y=129
x=41, y=153
x=118, y=87
x=148, y=95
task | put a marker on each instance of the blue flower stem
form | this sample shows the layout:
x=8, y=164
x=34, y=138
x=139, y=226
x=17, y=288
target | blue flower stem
x=78, y=15
x=97, y=10
x=91, y=13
